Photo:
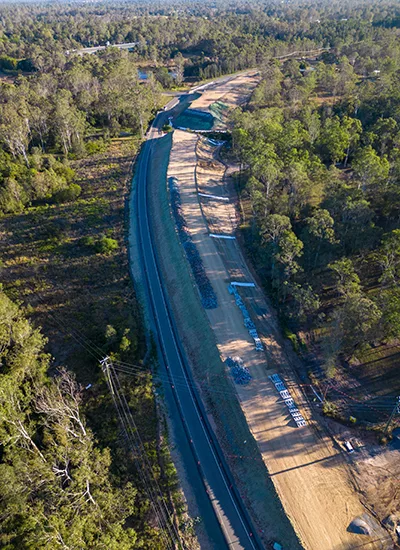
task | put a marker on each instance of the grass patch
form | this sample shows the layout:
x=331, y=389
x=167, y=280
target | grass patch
x=73, y=287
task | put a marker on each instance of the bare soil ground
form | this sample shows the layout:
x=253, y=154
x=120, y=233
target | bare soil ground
x=309, y=472
x=232, y=93
x=376, y=468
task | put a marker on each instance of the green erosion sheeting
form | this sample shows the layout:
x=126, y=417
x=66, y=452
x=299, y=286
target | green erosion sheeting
x=219, y=110
x=194, y=120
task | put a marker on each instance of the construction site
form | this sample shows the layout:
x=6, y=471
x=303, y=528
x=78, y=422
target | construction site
x=321, y=490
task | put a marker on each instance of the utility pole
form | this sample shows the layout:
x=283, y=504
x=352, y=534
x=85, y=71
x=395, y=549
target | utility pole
x=396, y=410
x=105, y=367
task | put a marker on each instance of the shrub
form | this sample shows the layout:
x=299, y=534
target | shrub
x=292, y=339
x=96, y=146
x=68, y=194
x=167, y=128
x=8, y=63
x=106, y=245
x=329, y=409
x=88, y=241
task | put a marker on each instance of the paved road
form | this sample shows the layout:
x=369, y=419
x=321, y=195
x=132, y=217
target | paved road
x=217, y=480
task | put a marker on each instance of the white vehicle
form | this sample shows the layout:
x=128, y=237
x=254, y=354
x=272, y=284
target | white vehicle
x=349, y=446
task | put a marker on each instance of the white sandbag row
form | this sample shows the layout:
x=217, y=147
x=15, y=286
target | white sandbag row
x=221, y=236
x=215, y=142
x=248, y=323
x=213, y=197
x=291, y=405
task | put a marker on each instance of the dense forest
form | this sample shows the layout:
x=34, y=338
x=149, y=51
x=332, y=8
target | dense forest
x=54, y=103
x=319, y=151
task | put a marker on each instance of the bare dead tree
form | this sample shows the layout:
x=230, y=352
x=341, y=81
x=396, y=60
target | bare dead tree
x=62, y=472
x=61, y=404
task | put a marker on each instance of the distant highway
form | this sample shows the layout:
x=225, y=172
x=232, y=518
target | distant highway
x=230, y=513
x=94, y=49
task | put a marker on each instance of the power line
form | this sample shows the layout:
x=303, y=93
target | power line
x=160, y=508
x=180, y=381
x=145, y=471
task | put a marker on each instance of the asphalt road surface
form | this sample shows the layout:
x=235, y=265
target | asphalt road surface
x=230, y=514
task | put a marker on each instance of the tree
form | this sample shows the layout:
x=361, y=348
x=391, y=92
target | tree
x=320, y=228
x=348, y=282
x=352, y=325
x=304, y=301
x=312, y=123
x=389, y=303
x=68, y=121
x=389, y=258
x=13, y=196
x=265, y=167
x=385, y=130
x=142, y=101
x=14, y=129
x=274, y=227
x=61, y=403
x=371, y=170
x=334, y=140
x=346, y=79
x=357, y=230
x=326, y=76
x=179, y=68
x=354, y=129
x=290, y=248
x=267, y=94
x=258, y=199
x=359, y=320
x=298, y=186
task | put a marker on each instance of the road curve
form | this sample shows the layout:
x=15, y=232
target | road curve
x=218, y=482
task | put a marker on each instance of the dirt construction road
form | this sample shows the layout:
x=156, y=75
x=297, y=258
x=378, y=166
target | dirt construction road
x=311, y=476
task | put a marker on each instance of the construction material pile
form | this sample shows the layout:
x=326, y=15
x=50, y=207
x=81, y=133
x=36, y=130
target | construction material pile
x=248, y=323
x=207, y=294
x=240, y=373
x=291, y=405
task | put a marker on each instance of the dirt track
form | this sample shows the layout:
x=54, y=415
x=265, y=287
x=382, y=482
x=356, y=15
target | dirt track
x=310, y=475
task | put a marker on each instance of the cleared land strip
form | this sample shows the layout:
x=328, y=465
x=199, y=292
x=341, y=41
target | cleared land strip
x=309, y=474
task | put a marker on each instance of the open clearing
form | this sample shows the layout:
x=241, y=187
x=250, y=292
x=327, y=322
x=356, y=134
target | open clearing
x=311, y=476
